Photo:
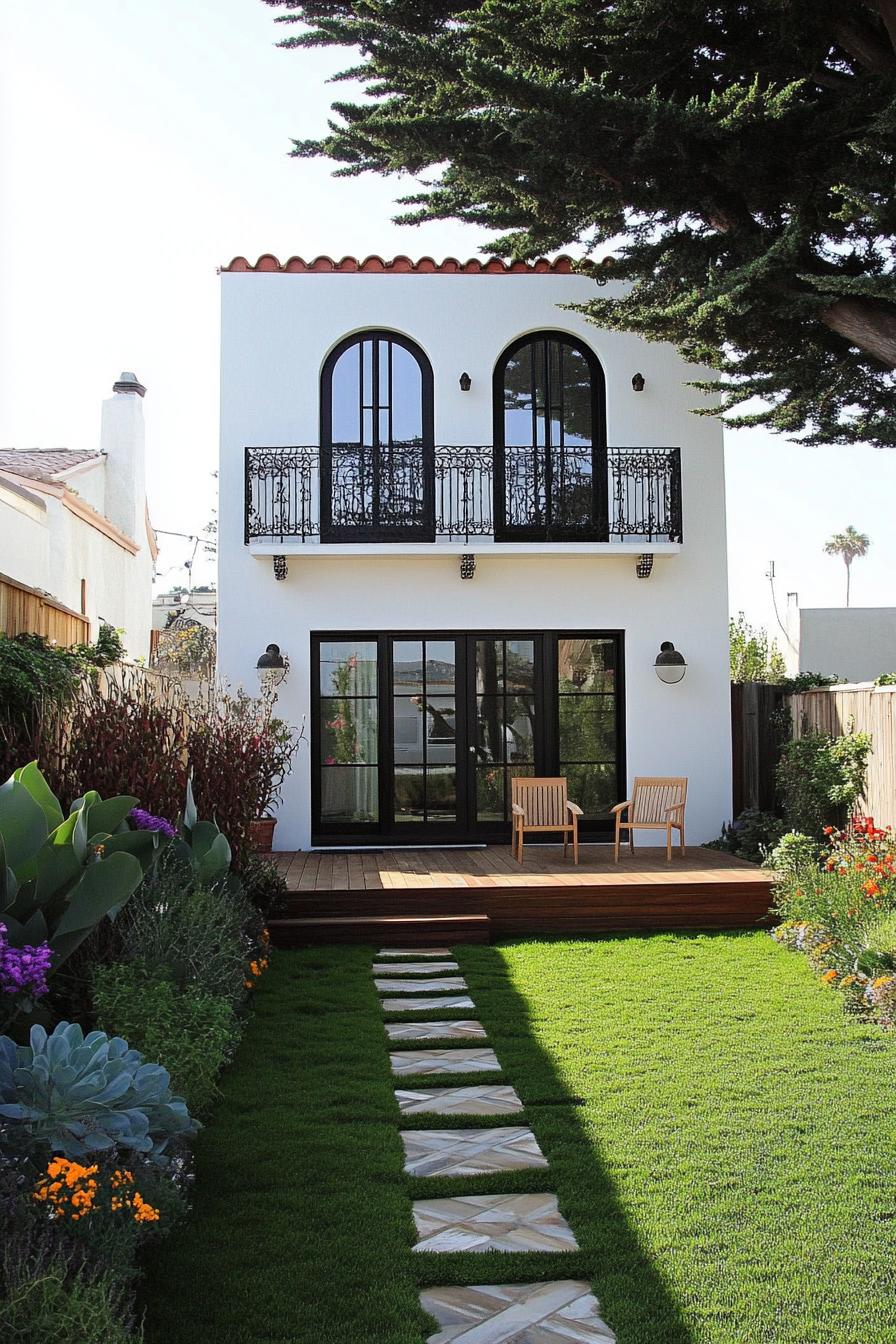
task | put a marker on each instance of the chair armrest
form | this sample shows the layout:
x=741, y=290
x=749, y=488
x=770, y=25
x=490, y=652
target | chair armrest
x=574, y=809
x=517, y=810
x=620, y=807
x=676, y=807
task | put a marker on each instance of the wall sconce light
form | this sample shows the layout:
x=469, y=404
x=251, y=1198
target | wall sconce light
x=466, y=382
x=467, y=566
x=670, y=665
x=280, y=567
x=272, y=666
x=644, y=567
x=638, y=382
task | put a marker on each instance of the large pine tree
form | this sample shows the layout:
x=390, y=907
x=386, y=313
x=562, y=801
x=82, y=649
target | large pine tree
x=738, y=158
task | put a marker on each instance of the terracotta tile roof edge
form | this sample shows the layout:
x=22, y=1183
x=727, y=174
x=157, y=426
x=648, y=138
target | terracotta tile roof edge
x=375, y=265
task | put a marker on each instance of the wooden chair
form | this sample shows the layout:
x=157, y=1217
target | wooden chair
x=542, y=805
x=657, y=804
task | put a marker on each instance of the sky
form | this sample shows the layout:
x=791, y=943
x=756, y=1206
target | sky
x=142, y=145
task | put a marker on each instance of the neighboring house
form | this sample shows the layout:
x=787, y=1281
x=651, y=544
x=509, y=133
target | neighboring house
x=469, y=518
x=201, y=606
x=76, y=544
x=852, y=643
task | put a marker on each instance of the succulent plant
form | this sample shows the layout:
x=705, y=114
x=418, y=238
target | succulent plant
x=76, y=1095
x=59, y=876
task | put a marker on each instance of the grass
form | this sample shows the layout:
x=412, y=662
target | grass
x=720, y=1136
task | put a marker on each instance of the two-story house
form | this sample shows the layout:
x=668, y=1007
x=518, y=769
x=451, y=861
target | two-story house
x=470, y=519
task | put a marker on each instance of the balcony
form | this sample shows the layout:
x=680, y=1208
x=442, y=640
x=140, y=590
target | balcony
x=456, y=496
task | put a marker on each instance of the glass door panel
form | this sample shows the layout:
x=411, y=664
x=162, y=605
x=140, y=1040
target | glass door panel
x=424, y=732
x=588, y=716
x=507, y=736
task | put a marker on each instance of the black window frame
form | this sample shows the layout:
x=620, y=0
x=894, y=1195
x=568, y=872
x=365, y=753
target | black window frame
x=597, y=529
x=334, y=532
x=547, y=750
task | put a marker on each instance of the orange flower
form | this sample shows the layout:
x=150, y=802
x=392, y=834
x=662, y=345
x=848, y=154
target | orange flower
x=829, y=977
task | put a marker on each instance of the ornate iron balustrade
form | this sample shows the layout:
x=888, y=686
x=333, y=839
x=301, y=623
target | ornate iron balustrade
x=411, y=492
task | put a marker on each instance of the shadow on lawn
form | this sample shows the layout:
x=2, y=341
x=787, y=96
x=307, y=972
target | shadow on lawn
x=635, y=1300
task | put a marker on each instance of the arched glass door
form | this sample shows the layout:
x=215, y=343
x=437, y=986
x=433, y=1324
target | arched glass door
x=550, y=441
x=377, y=441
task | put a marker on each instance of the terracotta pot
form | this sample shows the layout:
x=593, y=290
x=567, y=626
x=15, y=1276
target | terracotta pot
x=262, y=833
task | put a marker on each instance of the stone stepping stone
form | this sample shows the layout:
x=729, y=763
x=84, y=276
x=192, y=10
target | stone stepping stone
x=443, y=1061
x=470, y=1152
x=414, y=952
x=414, y=967
x=484, y=1099
x=516, y=1313
x=422, y=1005
x=434, y=1031
x=492, y=1223
x=444, y=984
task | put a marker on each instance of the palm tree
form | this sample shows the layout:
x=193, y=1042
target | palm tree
x=848, y=545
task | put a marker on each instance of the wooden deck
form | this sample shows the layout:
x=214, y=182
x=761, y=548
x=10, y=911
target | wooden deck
x=341, y=896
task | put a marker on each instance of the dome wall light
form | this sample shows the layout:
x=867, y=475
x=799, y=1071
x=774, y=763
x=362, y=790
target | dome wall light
x=670, y=665
x=272, y=666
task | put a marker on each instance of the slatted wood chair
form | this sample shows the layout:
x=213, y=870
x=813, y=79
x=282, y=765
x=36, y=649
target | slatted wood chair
x=657, y=804
x=541, y=804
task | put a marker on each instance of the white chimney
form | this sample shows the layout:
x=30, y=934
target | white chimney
x=122, y=439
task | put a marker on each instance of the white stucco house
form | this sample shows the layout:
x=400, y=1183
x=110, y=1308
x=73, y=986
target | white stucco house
x=470, y=519
x=75, y=528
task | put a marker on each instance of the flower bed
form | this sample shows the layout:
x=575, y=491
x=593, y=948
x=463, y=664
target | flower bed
x=128, y=954
x=839, y=910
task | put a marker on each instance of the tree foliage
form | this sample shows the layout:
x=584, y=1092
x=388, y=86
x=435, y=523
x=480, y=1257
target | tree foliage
x=849, y=545
x=754, y=657
x=737, y=158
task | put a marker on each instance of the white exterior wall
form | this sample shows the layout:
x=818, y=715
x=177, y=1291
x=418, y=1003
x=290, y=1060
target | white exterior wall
x=854, y=643
x=277, y=330
x=24, y=539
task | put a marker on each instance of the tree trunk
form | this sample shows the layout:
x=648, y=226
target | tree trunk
x=866, y=323
x=848, y=572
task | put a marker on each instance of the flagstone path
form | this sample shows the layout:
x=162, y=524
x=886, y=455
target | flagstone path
x=516, y=1313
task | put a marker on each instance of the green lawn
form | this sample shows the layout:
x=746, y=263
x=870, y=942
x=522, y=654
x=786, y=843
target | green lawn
x=720, y=1135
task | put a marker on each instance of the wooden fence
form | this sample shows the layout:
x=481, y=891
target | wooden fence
x=863, y=709
x=755, y=738
x=26, y=610
x=754, y=745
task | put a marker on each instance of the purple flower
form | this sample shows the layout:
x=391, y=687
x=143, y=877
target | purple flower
x=24, y=970
x=145, y=821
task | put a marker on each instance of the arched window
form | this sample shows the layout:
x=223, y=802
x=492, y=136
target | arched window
x=376, y=440
x=550, y=440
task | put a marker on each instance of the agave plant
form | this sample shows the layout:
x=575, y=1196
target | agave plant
x=76, y=1095
x=59, y=876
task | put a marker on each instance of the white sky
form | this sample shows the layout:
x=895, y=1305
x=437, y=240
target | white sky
x=143, y=145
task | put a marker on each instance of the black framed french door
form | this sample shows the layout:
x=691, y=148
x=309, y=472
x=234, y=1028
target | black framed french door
x=416, y=736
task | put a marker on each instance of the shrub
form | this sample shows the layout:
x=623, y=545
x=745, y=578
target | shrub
x=794, y=854
x=190, y=1032
x=201, y=935
x=145, y=736
x=78, y=1095
x=821, y=778
x=264, y=884
x=750, y=836
x=66, y=1306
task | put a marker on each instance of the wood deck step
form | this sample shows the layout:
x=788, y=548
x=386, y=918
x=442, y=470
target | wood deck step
x=401, y=930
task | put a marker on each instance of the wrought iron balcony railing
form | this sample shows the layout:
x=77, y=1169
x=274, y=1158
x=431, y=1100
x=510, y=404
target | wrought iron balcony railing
x=415, y=492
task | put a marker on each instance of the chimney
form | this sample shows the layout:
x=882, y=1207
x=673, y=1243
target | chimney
x=122, y=443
